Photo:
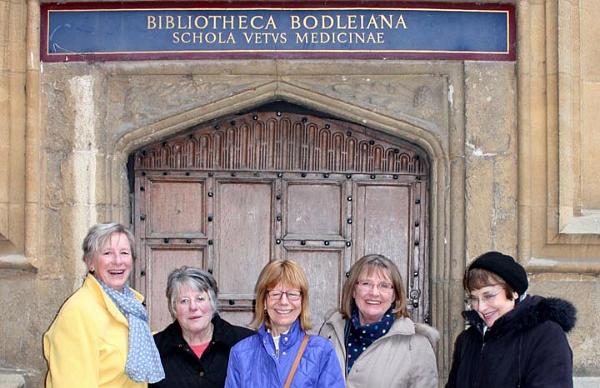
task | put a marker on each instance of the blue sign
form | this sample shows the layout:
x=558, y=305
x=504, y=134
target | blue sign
x=111, y=32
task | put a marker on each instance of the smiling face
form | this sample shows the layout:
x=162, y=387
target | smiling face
x=491, y=303
x=112, y=262
x=373, y=295
x=283, y=312
x=194, y=312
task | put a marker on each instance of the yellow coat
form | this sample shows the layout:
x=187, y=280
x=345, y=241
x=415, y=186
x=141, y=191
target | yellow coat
x=86, y=346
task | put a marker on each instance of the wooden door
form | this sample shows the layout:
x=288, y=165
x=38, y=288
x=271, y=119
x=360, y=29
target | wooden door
x=232, y=195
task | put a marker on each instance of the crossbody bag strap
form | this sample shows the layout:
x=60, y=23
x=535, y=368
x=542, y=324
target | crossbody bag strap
x=288, y=382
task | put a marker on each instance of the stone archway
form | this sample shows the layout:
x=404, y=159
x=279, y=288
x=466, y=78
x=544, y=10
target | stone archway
x=446, y=250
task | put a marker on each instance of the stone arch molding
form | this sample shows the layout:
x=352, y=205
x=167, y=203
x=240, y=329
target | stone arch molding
x=415, y=130
x=447, y=237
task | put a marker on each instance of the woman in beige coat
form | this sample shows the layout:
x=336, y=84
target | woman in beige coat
x=376, y=343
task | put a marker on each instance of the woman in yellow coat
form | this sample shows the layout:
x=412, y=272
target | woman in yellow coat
x=100, y=337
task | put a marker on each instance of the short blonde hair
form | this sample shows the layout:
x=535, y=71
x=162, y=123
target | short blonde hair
x=99, y=234
x=370, y=264
x=276, y=272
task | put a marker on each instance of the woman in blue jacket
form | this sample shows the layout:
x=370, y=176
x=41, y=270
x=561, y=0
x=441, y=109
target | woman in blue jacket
x=281, y=354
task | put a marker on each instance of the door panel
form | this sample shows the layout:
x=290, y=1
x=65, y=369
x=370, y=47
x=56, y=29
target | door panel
x=176, y=207
x=323, y=268
x=231, y=195
x=382, y=215
x=313, y=210
x=243, y=236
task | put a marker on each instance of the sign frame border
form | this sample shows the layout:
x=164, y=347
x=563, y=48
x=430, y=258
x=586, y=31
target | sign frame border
x=46, y=8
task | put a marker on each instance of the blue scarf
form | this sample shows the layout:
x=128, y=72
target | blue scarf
x=143, y=359
x=359, y=337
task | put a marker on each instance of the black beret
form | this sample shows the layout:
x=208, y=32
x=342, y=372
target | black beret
x=504, y=266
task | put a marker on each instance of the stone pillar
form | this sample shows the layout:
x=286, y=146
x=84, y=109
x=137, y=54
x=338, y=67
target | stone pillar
x=13, y=22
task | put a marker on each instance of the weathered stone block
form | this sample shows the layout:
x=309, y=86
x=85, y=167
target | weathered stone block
x=586, y=358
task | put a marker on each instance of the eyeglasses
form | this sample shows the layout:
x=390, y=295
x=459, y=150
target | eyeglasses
x=291, y=295
x=185, y=301
x=487, y=298
x=366, y=285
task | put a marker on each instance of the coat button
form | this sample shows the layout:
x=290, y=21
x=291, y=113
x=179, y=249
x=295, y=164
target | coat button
x=201, y=373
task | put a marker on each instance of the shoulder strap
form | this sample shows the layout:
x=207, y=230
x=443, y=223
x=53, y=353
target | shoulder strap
x=288, y=382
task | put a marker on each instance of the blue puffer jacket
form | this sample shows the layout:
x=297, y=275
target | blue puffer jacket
x=254, y=363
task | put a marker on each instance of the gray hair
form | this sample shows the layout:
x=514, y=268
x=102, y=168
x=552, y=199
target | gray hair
x=195, y=278
x=99, y=234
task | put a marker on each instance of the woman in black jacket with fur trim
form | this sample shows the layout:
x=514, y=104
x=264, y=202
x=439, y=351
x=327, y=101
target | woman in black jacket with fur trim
x=513, y=340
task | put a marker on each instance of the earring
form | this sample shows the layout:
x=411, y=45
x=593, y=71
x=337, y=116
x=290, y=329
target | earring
x=92, y=269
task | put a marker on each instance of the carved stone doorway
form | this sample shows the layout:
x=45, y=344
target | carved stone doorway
x=230, y=195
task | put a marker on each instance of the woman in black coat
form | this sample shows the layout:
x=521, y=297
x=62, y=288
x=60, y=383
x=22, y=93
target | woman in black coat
x=194, y=349
x=513, y=340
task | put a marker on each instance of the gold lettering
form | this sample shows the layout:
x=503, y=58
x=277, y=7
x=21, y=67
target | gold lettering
x=327, y=22
x=340, y=37
x=352, y=22
x=347, y=22
x=302, y=38
x=203, y=38
x=200, y=22
x=271, y=23
x=386, y=21
x=150, y=22
x=372, y=22
x=295, y=22
x=169, y=22
x=212, y=19
x=228, y=22
x=210, y=37
x=256, y=22
x=401, y=22
x=340, y=24
x=312, y=20
x=181, y=23
x=265, y=37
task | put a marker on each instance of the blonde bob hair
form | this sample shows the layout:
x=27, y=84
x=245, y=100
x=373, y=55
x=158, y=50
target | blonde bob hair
x=368, y=265
x=97, y=237
x=285, y=272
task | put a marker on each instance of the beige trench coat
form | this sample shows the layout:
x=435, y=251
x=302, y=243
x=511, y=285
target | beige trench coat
x=403, y=358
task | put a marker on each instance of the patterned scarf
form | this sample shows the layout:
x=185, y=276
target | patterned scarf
x=359, y=338
x=143, y=360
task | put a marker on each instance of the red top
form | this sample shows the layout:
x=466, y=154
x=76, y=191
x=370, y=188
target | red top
x=199, y=349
